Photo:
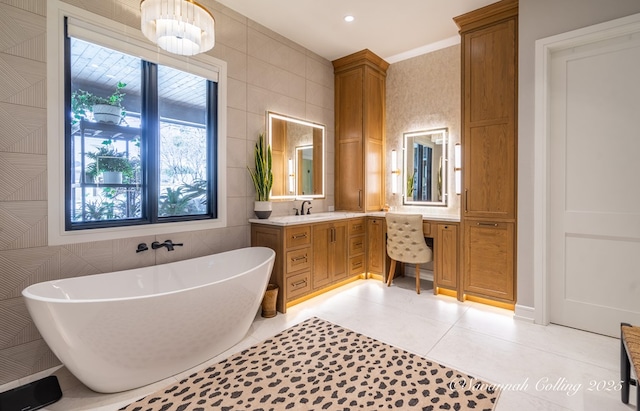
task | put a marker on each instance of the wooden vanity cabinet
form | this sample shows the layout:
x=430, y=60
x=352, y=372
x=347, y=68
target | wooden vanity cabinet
x=360, y=131
x=376, y=247
x=445, y=267
x=489, y=45
x=329, y=253
x=312, y=257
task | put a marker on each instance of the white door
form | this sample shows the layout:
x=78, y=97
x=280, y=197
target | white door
x=593, y=245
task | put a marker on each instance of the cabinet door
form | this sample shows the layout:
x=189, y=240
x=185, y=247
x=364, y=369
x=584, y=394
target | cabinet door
x=446, y=258
x=338, y=252
x=374, y=133
x=330, y=247
x=488, y=260
x=349, y=184
x=489, y=132
x=321, y=274
x=375, y=246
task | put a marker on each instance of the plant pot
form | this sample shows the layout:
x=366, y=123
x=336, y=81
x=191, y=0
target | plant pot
x=112, y=177
x=106, y=113
x=269, y=301
x=262, y=209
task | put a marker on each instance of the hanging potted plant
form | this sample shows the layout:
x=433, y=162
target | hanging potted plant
x=104, y=109
x=262, y=178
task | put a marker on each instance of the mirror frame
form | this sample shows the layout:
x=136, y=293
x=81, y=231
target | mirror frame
x=272, y=115
x=445, y=166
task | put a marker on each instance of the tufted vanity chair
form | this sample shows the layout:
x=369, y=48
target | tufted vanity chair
x=405, y=243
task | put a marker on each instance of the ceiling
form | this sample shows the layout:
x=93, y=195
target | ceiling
x=394, y=30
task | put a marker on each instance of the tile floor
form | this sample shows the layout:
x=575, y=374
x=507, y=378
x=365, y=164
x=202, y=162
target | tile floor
x=546, y=368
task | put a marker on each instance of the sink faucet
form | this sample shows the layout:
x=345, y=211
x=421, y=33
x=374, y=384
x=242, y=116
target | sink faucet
x=167, y=243
x=302, y=207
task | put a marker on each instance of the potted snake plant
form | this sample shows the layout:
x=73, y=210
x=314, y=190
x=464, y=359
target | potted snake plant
x=262, y=177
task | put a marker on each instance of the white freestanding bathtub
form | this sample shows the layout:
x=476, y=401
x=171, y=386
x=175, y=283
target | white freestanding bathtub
x=126, y=329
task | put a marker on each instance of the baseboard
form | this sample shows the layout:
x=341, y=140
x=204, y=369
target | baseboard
x=524, y=313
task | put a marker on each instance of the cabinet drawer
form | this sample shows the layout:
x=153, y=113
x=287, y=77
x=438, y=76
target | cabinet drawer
x=297, y=236
x=426, y=228
x=356, y=226
x=356, y=245
x=298, y=285
x=298, y=260
x=356, y=265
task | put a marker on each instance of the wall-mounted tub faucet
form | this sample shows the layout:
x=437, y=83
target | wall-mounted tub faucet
x=167, y=243
x=142, y=247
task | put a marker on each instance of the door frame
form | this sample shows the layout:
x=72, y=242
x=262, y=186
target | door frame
x=544, y=48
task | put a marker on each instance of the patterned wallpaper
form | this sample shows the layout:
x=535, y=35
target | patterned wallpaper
x=424, y=93
x=266, y=72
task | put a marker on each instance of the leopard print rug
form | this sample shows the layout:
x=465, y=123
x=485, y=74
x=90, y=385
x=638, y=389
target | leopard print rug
x=317, y=365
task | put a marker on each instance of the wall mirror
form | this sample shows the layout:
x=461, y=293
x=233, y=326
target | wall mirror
x=425, y=167
x=297, y=148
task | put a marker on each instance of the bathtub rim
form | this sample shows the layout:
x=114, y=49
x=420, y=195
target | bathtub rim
x=35, y=297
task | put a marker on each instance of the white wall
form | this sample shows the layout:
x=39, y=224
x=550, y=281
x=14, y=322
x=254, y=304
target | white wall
x=539, y=19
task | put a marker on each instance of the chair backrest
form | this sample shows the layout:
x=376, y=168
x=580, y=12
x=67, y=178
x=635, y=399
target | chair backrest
x=405, y=239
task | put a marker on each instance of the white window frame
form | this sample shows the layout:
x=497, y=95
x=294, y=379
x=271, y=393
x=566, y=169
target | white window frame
x=100, y=30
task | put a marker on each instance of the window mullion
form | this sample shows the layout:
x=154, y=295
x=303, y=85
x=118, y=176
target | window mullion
x=151, y=132
x=212, y=141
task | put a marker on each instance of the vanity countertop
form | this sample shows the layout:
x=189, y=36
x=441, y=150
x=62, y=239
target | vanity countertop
x=339, y=215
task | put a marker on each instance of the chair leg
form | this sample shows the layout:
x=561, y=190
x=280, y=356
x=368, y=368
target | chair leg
x=625, y=371
x=418, y=278
x=392, y=271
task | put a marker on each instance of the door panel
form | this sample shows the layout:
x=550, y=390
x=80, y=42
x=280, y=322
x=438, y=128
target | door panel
x=593, y=243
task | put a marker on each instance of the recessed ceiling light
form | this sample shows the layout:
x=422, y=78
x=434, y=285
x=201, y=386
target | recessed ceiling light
x=349, y=18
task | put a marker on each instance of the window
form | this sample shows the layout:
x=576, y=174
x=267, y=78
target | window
x=141, y=140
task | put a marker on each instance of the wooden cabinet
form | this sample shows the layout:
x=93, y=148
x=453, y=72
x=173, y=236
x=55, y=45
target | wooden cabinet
x=489, y=150
x=360, y=131
x=357, y=246
x=329, y=253
x=489, y=260
x=312, y=257
x=376, y=247
x=445, y=270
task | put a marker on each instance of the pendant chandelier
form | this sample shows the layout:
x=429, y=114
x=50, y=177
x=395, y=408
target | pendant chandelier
x=178, y=26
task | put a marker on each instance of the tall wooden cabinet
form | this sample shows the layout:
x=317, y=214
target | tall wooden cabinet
x=360, y=80
x=489, y=149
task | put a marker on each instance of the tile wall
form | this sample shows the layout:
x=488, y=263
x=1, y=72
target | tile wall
x=265, y=72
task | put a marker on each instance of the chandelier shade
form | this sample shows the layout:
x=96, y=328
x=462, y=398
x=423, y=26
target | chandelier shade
x=178, y=26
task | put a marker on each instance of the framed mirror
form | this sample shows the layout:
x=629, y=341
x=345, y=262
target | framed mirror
x=297, y=148
x=425, y=167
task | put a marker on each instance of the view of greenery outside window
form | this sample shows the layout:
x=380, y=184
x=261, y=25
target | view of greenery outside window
x=140, y=141
x=183, y=145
